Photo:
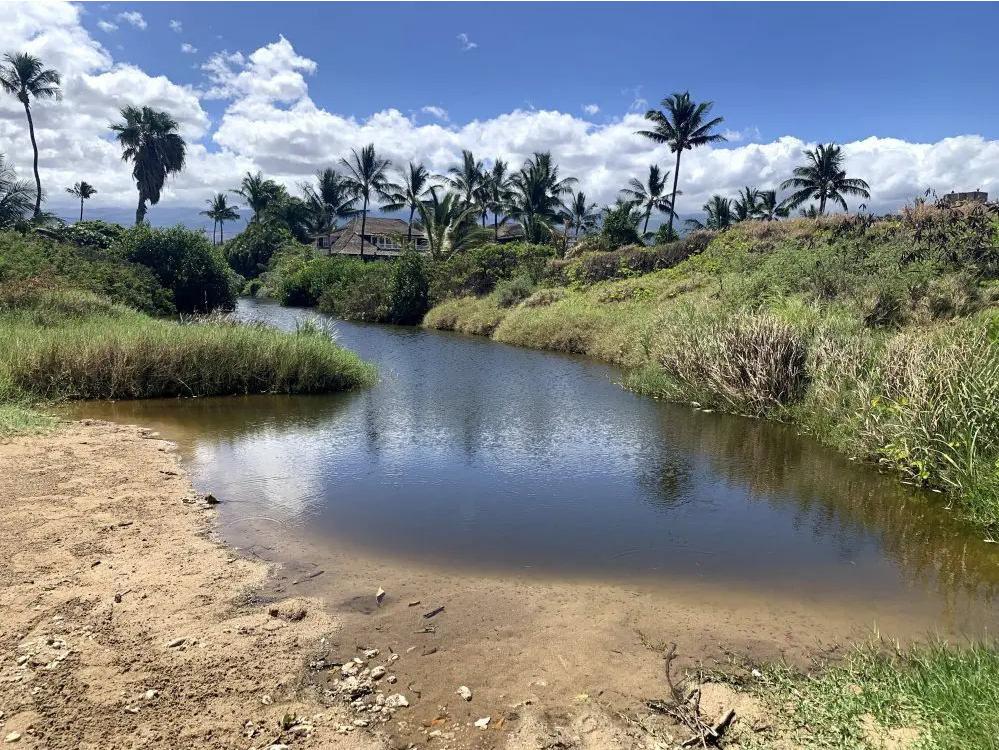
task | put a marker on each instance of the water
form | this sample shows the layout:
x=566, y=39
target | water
x=474, y=455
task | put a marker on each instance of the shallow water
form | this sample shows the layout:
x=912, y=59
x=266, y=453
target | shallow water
x=472, y=455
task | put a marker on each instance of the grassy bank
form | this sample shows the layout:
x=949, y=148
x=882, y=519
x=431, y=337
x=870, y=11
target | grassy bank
x=879, y=338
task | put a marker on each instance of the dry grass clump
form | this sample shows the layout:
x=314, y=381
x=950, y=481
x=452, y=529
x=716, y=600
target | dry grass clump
x=473, y=315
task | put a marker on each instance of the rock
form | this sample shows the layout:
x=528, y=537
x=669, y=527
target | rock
x=394, y=657
x=465, y=692
x=378, y=672
x=379, y=700
x=392, y=679
x=278, y=746
x=360, y=722
x=302, y=730
x=355, y=687
x=131, y=709
x=22, y=659
x=150, y=694
x=371, y=653
x=211, y=499
x=396, y=701
x=435, y=733
x=350, y=669
x=266, y=700
x=177, y=642
x=483, y=722
x=12, y=737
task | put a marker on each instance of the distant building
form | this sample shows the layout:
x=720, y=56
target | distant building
x=382, y=238
x=952, y=199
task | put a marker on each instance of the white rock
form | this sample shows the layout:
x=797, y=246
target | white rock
x=483, y=722
x=465, y=692
x=278, y=746
x=12, y=737
x=176, y=642
x=22, y=659
x=302, y=730
x=371, y=653
x=360, y=722
x=150, y=694
x=392, y=679
x=394, y=657
x=267, y=700
x=378, y=672
x=396, y=701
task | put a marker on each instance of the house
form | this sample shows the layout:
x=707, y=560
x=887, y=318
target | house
x=383, y=238
x=953, y=199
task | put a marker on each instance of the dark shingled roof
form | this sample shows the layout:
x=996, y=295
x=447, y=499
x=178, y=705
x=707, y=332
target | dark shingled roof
x=347, y=241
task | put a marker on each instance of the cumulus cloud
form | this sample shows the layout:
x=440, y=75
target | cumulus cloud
x=591, y=109
x=467, y=45
x=107, y=26
x=189, y=49
x=439, y=112
x=176, y=26
x=269, y=121
x=135, y=18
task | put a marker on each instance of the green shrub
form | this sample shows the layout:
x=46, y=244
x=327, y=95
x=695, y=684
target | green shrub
x=92, y=233
x=249, y=253
x=410, y=289
x=511, y=292
x=184, y=262
x=544, y=297
x=302, y=282
x=478, y=271
x=365, y=294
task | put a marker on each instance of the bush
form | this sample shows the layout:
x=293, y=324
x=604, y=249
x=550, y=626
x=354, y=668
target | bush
x=545, y=297
x=364, y=294
x=478, y=271
x=512, y=291
x=92, y=233
x=184, y=262
x=302, y=282
x=249, y=253
x=410, y=289
x=589, y=268
x=618, y=229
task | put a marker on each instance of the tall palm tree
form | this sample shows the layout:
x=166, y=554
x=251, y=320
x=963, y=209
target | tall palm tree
x=258, y=192
x=809, y=213
x=84, y=191
x=449, y=223
x=329, y=200
x=536, y=193
x=719, y=214
x=497, y=192
x=219, y=211
x=684, y=126
x=23, y=76
x=769, y=208
x=581, y=215
x=149, y=139
x=746, y=206
x=467, y=178
x=368, y=179
x=413, y=188
x=15, y=195
x=650, y=195
x=822, y=177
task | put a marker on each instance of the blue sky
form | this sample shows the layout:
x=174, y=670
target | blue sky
x=288, y=88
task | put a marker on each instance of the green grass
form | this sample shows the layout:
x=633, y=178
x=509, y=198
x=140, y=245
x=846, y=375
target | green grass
x=17, y=419
x=75, y=345
x=926, y=696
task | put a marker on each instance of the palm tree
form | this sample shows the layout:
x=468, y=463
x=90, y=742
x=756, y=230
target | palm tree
x=683, y=128
x=84, y=191
x=467, y=178
x=580, y=215
x=497, y=192
x=746, y=206
x=651, y=194
x=329, y=200
x=719, y=214
x=149, y=139
x=23, y=76
x=769, y=208
x=414, y=188
x=219, y=211
x=536, y=196
x=367, y=179
x=809, y=213
x=15, y=195
x=258, y=193
x=822, y=177
x=449, y=223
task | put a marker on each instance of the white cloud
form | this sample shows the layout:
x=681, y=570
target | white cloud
x=133, y=17
x=638, y=102
x=439, y=112
x=107, y=26
x=467, y=45
x=176, y=26
x=270, y=122
x=188, y=48
x=591, y=109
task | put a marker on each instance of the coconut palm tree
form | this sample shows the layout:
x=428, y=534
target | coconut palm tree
x=746, y=206
x=414, y=187
x=449, y=223
x=536, y=193
x=329, y=200
x=497, y=192
x=823, y=178
x=650, y=195
x=769, y=208
x=684, y=126
x=84, y=191
x=719, y=214
x=368, y=179
x=580, y=215
x=15, y=195
x=258, y=193
x=467, y=178
x=219, y=211
x=809, y=213
x=149, y=139
x=23, y=76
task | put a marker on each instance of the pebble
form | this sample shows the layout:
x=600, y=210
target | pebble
x=278, y=746
x=22, y=659
x=392, y=679
x=396, y=701
x=465, y=692
x=360, y=722
x=12, y=737
x=483, y=722
x=302, y=730
x=394, y=657
x=371, y=653
x=435, y=733
x=150, y=694
x=378, y=672
x=177, y=642
x=267, y=700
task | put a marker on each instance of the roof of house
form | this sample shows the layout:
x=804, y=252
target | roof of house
x=347, y=240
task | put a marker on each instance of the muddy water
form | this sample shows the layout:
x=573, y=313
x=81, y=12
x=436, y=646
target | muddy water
x=473, y=456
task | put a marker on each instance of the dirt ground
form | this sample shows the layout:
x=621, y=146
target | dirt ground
x=127, y=624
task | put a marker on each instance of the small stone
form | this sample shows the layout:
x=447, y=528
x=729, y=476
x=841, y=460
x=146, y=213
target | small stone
x=360, y=722
x=302, y=730
x=378, y=672
x=435, y=733
x=131, y=709
x=211, y=499
x=465, y=692
x=379, y=700
x=177, y=642
x=392, y=679
x=12, y=737
x=278, y=746
x=150, y=694
x=396, y=701
x=483, y=722
x=394, y=657
x=267, y=700
x=22, y=659
x=371, y=653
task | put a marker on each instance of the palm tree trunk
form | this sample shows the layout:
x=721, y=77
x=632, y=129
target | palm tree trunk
x=140, y=212
x=364, y=219
x=496, y=226
x=645, y=229
x=215, y=225
x=221, y=232
x=81, y=209
x=34, y=146
x=672, y=202
x=822, y=205
x=409, y=232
